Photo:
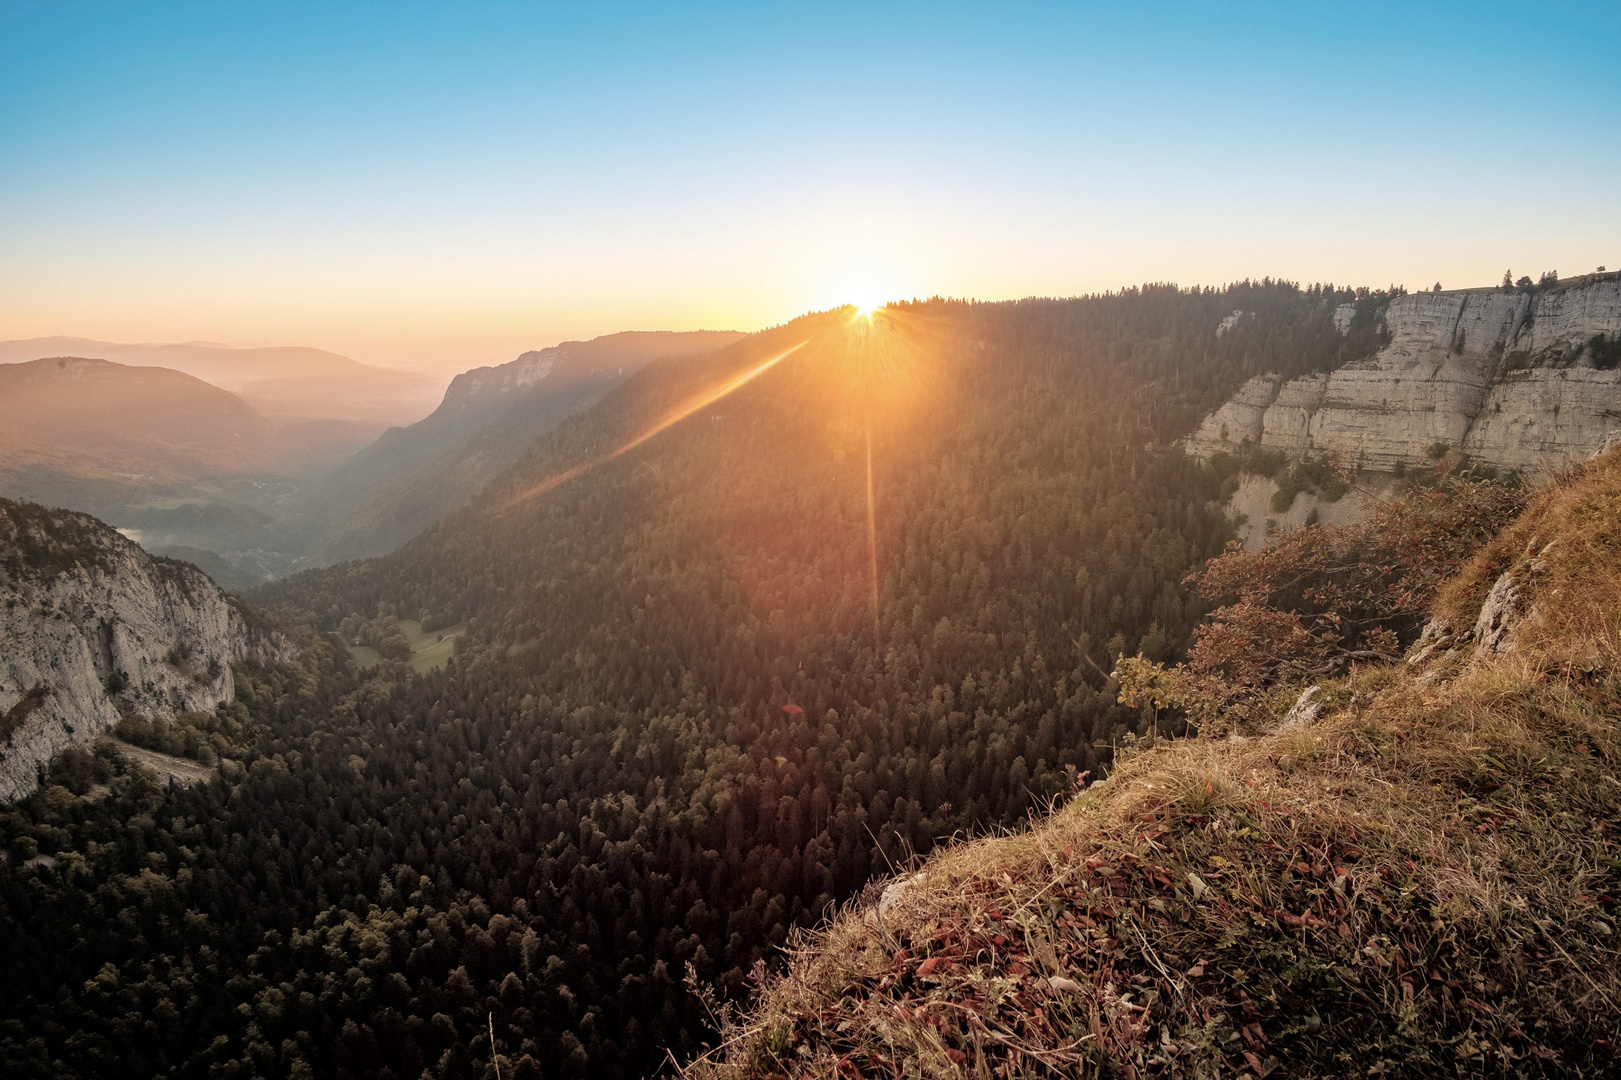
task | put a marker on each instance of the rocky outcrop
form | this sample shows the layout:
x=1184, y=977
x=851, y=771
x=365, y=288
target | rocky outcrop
x=1494, y=628
x=480, y=385
x=1509, y=378
x=1497, y=627
x=92, y=629
x=1239, y=421
x=602, y=360
x=1305, y=710
x=1229, y=322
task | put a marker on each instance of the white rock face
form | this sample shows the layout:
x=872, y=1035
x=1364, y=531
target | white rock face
x=1501, y=376
x=1305, y=709
x=1239, y=420
x=92, y=628
x=1494, y=629
x=1229, y=321
x=482, y=384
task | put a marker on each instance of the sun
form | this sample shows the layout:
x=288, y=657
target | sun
x=866, y=307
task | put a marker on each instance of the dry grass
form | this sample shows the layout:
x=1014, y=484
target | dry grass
x=1423, y=883
x=1567, y=545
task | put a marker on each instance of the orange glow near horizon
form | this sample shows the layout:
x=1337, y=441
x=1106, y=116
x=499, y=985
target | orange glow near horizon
x=669, y=419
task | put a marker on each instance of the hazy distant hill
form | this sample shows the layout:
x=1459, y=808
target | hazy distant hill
x=165, y=456
x=410, y=477
x=283, y=382
x=96, y=419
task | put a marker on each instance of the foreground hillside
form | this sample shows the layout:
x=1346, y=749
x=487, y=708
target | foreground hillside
x=1419, y=879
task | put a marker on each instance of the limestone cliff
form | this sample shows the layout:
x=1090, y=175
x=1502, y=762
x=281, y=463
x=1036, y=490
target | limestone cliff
x=604, y=360
x=1512, y=378
x=92, y=628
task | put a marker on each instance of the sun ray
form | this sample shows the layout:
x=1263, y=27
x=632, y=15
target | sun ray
x=669, y=419
x=872, y=543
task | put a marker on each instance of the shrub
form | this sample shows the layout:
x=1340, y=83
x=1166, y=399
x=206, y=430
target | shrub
x=1605, y=351
x=1264, y=462
x=1225, y=464
x=1284, y=497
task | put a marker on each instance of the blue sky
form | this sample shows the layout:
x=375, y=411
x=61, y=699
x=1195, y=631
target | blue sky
x=451, y=183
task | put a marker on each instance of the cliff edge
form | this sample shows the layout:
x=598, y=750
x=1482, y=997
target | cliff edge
x=93, y=628
x=1523, y=379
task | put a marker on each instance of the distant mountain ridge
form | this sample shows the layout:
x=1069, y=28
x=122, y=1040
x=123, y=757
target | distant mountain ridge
x=284, y=382
x=90, y=418
x=612, y=356
x=191, y=469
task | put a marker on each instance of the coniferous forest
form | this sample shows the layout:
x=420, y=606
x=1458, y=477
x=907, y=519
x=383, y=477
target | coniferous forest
x=675, y=728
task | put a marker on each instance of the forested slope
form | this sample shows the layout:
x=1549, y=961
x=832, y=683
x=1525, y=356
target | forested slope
x=412, y=476
x=671, y=735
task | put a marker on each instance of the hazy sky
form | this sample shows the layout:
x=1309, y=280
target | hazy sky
x=455, y=182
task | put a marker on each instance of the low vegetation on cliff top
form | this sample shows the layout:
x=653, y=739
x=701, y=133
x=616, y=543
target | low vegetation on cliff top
x=1421, y=880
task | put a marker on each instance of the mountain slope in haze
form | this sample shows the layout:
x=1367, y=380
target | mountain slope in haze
x=174, y=461
x=283, y=382
x=96, y=419
x=410, y=477
x=1414, y=875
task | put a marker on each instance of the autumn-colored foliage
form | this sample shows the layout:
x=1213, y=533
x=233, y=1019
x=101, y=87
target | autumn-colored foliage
x=1347, y=580
x=1319, y=597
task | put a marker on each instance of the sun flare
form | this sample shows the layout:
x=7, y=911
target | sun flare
x=864, y=309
